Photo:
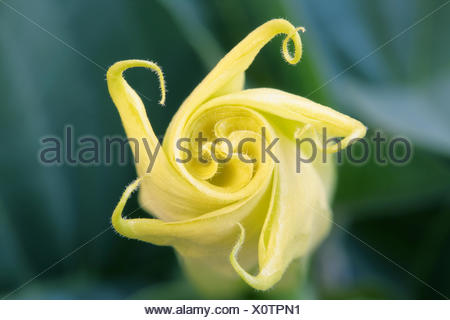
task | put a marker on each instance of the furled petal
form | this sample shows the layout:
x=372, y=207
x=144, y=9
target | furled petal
x=234, y=217
x=299, y=110
x=231, y=69
x=297, y=219
x=174, y=193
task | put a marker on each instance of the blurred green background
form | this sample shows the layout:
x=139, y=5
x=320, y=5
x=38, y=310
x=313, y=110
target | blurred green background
x=403, y=89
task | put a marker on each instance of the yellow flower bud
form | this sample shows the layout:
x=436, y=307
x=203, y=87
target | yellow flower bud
x=233, y=218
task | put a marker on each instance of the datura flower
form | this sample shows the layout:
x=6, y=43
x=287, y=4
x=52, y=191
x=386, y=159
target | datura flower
x=247, y=219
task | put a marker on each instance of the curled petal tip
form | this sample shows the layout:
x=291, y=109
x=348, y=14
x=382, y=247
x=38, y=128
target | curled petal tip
x=197, y=206
x=295, y=37
x=117, y=220
x=115, y=72
x=264, y=280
